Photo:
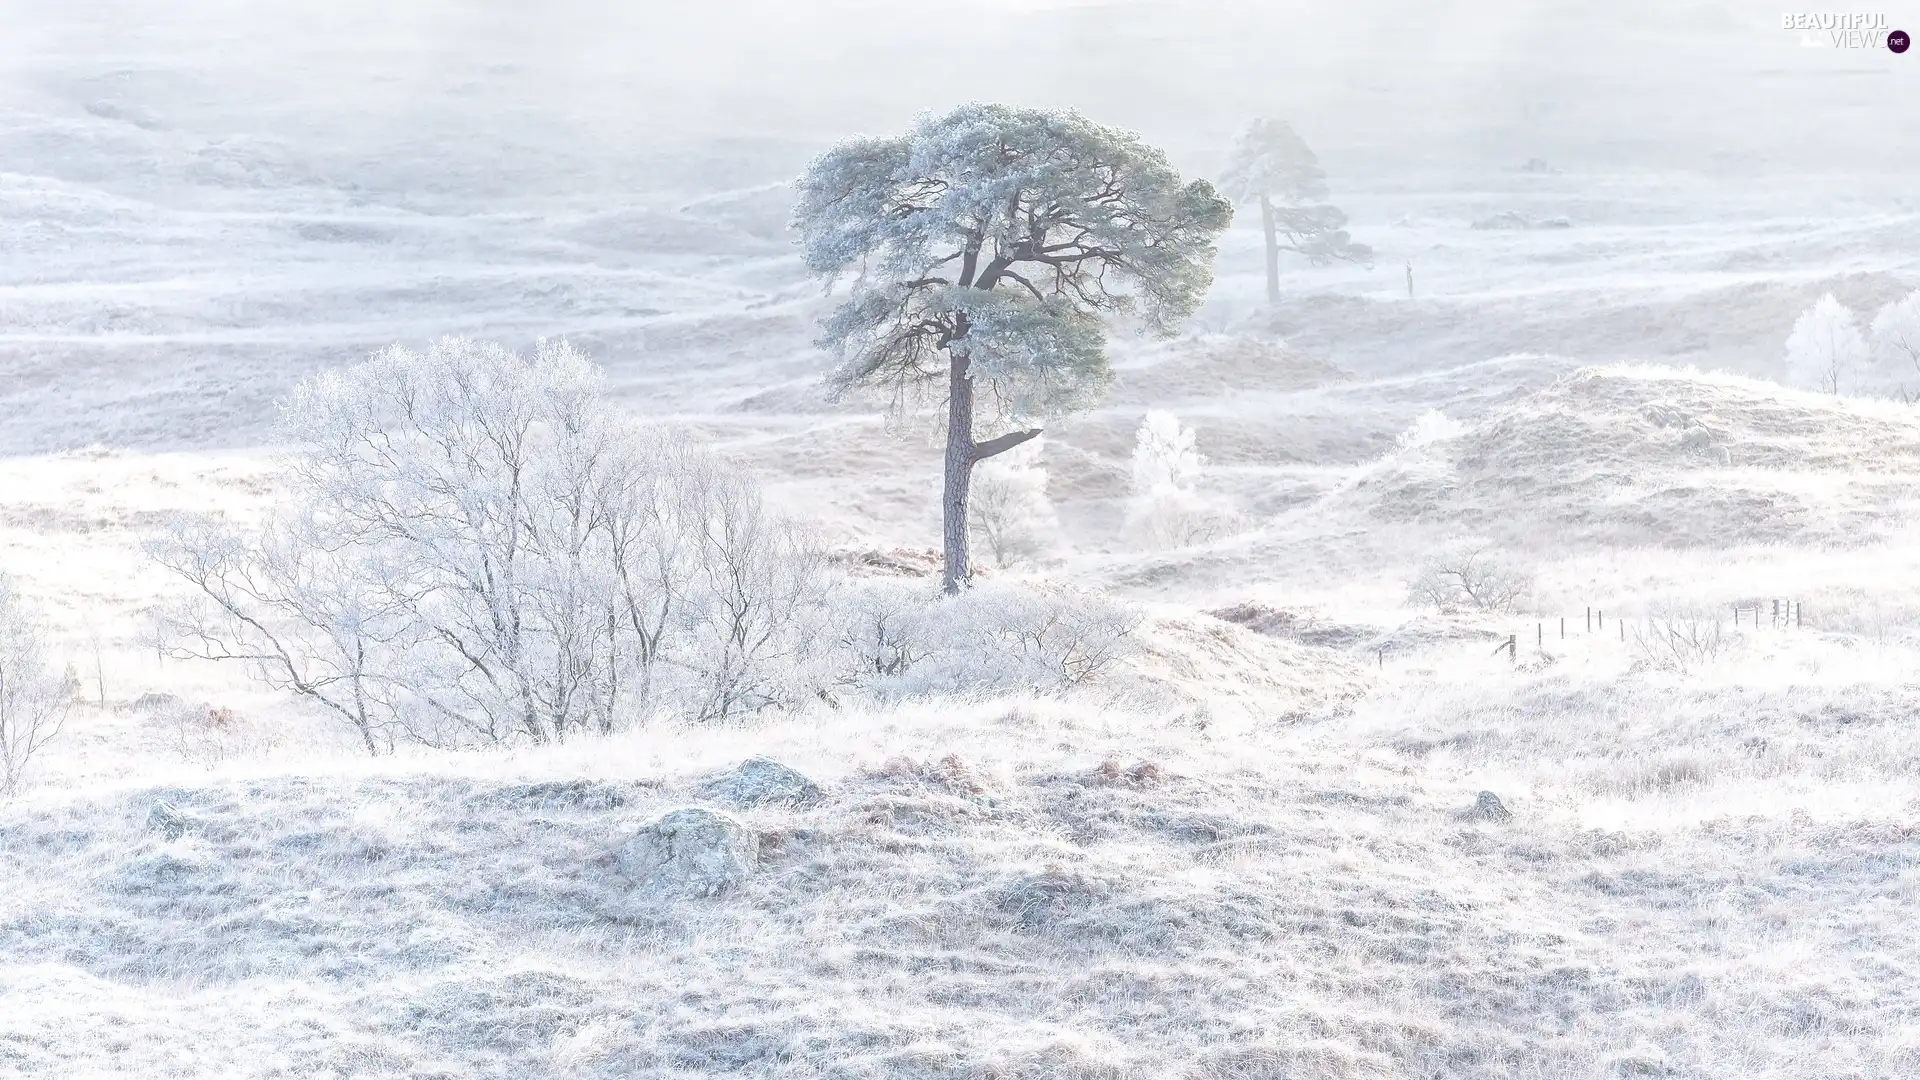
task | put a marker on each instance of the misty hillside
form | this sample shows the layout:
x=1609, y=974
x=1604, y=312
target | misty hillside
x=1481, y=647
x=1023, y=889
x=1628, y=457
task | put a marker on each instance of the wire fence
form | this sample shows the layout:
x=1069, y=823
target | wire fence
x=1690, y=633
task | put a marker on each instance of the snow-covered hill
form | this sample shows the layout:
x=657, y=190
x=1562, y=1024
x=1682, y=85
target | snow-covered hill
x=1307, y=829
x=1625, y=457
x=1694, y=880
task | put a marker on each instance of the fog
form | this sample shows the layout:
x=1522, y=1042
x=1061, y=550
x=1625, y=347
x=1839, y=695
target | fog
x=505, y=95
x=1479, y=640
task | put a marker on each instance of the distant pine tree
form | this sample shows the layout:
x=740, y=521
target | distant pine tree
x=1273, y=167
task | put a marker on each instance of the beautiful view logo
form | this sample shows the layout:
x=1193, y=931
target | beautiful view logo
x=1849, y=30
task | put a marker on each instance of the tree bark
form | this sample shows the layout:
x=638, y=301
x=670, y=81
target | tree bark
x=962, y=455
x=1273, y=252
x=959, y=474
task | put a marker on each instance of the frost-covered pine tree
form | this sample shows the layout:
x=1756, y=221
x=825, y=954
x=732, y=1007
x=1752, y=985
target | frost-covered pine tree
x=1896, y=340
x=1825, y=351
x=1272, y=166
x=984, y=248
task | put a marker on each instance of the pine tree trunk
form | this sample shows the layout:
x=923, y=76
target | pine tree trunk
x=959, y=474
x=1273, y=253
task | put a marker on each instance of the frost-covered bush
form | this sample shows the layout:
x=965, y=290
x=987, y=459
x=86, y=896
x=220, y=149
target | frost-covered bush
x=476, y=549
x=207, y=734
x=1896, y=345
x=1165, y=453
x=1470, y=579
x=33, y=700
x=1011, y=515
x=1825, y=351
x=906, y=640
x=1430, y=427
x=1167, y=510
x=1681, y=639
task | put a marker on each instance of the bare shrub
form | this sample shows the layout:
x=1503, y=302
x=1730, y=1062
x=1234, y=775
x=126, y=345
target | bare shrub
x=1062, y=637
x=208, y=734
x=881, y=631
x=1896, y=345
x=903, y=640
x=477, y=550
x=1167, y=518
x=1010, y=513
x=94, y=647
x=33, y=702
x=1680, y=640
x=1471, y=579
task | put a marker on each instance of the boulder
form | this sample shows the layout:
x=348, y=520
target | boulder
x=155, y=702
x=690, y=853
x=168, y=820
x=1487, y=807
x=761, y=782
x=1508, y=219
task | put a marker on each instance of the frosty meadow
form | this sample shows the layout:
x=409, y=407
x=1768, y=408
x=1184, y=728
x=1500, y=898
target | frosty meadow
x=788, y=541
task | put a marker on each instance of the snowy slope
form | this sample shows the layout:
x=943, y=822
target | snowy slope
x=1250, y=859
x=1675, y=892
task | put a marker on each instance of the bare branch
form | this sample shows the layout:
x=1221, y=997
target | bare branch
x=1003, y=443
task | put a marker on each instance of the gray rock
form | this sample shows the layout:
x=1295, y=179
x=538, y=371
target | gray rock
x=1508, y=219
x=154, y=702
x=1644, y=1059
x=1505, y=219
x=1487, y=807
x=761, y=782
x=1043, y=900
x=168, y=820
x=689, y=853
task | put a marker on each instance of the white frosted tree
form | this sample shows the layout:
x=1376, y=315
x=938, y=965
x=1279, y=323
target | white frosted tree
x=477, y=549
x=1896, y=342
x=1428, y=428
x=1825, y=351
x=1165, y=456
x=984, y=249
x=1271, y=166
x=33, y=701
x=1012, y=515
x=1167, y=508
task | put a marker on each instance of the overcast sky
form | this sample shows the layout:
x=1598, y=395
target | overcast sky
x=1376, y=86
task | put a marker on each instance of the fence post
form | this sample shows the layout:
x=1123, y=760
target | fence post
x=1600, y=619
x=1623, y=628
x=1563, y=628
x=1776, y=614
x=1539, y=635
x=1589, y=620
x=1799, y=609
